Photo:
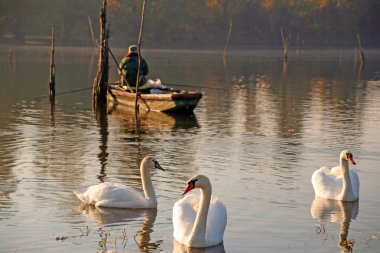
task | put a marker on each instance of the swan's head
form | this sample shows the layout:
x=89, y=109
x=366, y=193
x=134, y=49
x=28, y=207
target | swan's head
x=198, y=181
x=151, y=163
x=347, y=155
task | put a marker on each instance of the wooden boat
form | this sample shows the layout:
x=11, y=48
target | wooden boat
x=169, y=101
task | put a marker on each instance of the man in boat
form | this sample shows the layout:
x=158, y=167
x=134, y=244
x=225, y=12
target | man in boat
x=128, y=68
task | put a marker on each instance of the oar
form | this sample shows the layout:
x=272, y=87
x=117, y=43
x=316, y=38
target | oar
x=186, y=85
x=195, y=86
x=117, y=64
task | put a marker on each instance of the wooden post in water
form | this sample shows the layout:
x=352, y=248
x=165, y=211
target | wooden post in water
x=10, y=56
x=12, y=60
x=52, y=67
x=101, y=79
x=227, y=42
x=139, y=53
x=92, y=32
x=285, y=44
x=362, y=57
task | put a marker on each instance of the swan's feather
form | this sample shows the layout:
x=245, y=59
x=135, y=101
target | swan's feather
x=113, y=195
x=184, y=214
x=121, y=196
x=328, y=183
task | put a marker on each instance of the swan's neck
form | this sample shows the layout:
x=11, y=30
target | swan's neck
x=345, y=224
x=146, y=229
x=347, y=193
x=198, y=234
x=146, y=180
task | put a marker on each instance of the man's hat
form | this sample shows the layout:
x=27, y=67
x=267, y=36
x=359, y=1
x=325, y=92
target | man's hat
x=132, y=49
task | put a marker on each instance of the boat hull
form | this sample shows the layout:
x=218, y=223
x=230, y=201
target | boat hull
x=182, y=101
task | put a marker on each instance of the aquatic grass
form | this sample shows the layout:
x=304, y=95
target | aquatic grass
x=321, y=230
x=86, y=233
x=371, y=236
x=141, y=247
x=346, y=245
x=106, y=238
x=103, y=238
x=125, y=238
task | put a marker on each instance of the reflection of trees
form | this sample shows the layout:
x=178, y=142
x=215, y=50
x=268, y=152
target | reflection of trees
x=261, y=102
x=334, y=104
x=304, y=99
x=8, y=160
x=8, y=181
x=338, y=212
x=154, y=130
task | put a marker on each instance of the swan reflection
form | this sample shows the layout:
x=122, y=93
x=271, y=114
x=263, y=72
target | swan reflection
x=180, y=248
x=121, y=216
x=336, y=211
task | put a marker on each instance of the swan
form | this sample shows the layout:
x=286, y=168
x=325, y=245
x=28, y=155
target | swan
x=339, y=183
x=199, y=221
x=121, y=196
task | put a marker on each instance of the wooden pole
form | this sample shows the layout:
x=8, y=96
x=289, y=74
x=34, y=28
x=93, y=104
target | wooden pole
x=285, y=44
x=92, y=32
x=10, y=56
x=52, y=67
x=362, y=57
x=227, y=42
x=12, y=60
x=101, y=79
x=139, y=53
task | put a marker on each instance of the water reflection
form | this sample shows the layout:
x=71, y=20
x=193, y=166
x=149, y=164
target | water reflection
x=111, y=217
x=337, y=212
x=8, y=186
x=180, y=248
x=151, y=121
x=101, y=118
x=260, y=127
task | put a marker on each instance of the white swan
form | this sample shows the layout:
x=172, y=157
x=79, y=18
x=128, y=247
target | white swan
x=339, y=183
x=121, y=196
x=199, y=221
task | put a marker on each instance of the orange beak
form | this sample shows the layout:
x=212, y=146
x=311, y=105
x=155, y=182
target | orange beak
x=190, y=186
x=351, y=160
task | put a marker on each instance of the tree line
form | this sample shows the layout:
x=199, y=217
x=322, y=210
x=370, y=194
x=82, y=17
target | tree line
x=195, y=23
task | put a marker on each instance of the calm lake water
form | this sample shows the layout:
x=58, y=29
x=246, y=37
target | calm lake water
x=260, y=131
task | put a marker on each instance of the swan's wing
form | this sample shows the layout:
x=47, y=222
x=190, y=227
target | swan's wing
x=335, y=171
x=326, y=184
x=184, y=213
x=355, y=182
x=80, y=196
x=216, y=222
x=90, y=195
x=112, y=195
